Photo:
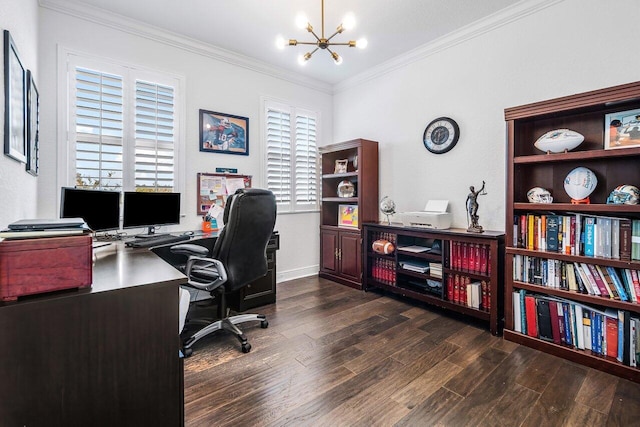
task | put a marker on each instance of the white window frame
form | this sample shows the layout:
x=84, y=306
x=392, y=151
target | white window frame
x=271, y=103
x=68, y=60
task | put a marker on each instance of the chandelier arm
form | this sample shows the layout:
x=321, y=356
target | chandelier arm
x=333, y=35
x=350, y=43
x=308, y=43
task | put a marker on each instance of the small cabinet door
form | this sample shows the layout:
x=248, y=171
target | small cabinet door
x=349, y=255
x=329, y=251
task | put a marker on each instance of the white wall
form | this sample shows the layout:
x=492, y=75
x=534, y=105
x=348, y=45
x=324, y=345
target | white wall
x=17, y=187
x=211, y=84
x=571, y=47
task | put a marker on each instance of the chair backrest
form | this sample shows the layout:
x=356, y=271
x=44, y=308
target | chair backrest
x=249, y=218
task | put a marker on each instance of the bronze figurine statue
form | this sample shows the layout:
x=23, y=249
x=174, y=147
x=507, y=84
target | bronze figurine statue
x=472, y=209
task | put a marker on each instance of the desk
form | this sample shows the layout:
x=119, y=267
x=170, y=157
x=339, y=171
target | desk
x=107, y=355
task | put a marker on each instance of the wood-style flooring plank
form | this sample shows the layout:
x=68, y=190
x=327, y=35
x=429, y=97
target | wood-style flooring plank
x=598, y=391
x=555, y=403
x=625, y=407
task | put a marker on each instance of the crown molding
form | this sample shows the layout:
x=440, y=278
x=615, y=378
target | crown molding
x=499, y=19
x=137, y=28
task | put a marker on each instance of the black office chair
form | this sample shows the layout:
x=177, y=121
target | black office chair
x=237, y=259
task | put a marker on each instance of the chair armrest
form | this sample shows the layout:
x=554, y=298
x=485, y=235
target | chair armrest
x=190, y=249
x=205, y=273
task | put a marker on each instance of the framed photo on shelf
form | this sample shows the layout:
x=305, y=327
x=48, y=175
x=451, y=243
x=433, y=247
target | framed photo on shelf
x=348, y=216
x=224, y=133
x=622, y=130
x=14, y=102
x=33, y=125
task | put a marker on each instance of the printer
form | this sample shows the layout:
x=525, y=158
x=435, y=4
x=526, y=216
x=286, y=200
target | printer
x=434, y=215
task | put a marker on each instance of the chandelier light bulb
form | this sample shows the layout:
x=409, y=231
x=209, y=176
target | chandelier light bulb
x=302, y=21
x=281, y=42
x=336, y=58
x=302, y=59
x=362, y=43
x=349, y=21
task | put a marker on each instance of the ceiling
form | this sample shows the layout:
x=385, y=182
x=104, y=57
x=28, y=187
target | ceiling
x=250, y=27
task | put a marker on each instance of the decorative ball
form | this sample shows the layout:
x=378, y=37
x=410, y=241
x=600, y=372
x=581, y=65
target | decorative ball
x=383, y=247
x=559, y=140
x=580, y=183
x=346, y=189
x=539, y=195
x=624, y=195
x=387, y=206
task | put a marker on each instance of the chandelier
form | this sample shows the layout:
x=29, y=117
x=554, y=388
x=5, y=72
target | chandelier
x=322, y=42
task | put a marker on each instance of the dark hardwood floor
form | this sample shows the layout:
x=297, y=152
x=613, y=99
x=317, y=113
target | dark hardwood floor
x=335, y=356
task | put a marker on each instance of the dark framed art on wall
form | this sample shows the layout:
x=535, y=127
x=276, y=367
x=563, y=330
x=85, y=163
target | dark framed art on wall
x=14, y=102
x=33, y=125
x=224, y=133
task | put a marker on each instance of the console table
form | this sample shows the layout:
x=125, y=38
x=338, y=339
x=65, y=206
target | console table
x=107, y=355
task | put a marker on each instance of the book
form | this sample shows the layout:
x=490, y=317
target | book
x=586, y=324
x=625, y=239
x=608, y=283
x=613, y=275
x=615, y=238
x=588, y=278
x=589, y=232
x=611, y=334
x=517, y=314
x=531, y=315
x=555, y=325
x=543, y=313
x=635, y=240
x=579, y=330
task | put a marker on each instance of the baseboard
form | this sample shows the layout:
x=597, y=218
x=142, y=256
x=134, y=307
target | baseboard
x=284, y=276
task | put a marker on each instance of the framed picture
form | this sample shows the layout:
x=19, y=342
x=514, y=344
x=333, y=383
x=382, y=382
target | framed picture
x=224, y=133
x=622, y=130
x=14, y=102
x=33, y=125
x=348, y=216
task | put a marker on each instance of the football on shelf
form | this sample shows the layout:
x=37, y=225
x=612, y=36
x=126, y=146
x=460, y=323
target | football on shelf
x=559, y=140
x=382, y=246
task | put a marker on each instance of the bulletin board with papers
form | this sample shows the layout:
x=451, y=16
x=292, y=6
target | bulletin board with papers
x=213, y=189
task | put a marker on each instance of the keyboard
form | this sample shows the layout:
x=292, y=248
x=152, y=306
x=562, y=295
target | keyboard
x=148, y=242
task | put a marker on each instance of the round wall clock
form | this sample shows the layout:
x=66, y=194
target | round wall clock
x=441, y=135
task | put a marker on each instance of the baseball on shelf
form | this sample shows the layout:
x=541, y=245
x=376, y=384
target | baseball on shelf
x=382, y=246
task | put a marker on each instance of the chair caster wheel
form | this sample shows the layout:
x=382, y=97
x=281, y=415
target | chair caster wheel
x=246, y=348
x=264, y=324
x=187, y=352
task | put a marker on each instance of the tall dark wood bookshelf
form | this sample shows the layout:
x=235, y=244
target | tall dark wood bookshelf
x=527, y=167
x=340, y=244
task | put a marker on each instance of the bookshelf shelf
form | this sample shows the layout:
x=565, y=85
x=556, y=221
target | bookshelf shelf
x=528, y=265
x=385, y=271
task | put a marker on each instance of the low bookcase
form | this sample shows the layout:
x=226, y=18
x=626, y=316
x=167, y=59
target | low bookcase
x=571, y=270
x=452, y=269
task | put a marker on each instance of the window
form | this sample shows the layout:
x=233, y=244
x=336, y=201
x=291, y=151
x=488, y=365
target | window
x=122, y=128
x=291, y=157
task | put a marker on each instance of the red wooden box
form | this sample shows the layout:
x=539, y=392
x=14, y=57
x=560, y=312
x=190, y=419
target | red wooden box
x=33, y=266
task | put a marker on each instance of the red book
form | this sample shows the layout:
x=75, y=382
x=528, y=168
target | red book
x=598, y=280
x=488, y=261
x=555, y=324
x=636, y=281
x=456, y=289
x=477, y=263
x=611, y=325
x=572, y=236
x=532, y=315
x=485, y=296
x=450, y=287
x=463, y=291
x=465, y=259
x=523, y=231
x=484, y=249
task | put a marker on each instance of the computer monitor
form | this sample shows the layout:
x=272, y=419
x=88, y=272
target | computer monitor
x=150, y=210
x=100, y=209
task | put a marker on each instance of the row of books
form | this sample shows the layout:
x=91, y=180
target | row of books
x=612, y=333
x=614, y=283
x=385, y=235
x=579, y=234
x=384, y=271
x=463, y=290
x=470, y=257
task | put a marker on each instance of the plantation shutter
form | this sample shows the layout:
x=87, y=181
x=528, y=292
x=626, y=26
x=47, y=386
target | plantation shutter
x=278, y=142
x=154, y=137
x=98, y=130
x=306, y=161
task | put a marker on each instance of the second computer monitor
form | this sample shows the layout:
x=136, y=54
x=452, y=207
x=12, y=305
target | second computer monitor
x=150, y=210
